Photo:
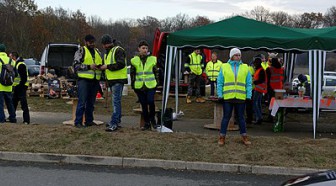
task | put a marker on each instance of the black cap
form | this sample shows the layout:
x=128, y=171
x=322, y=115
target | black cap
x=2, y=47
x=106, y=39
x=89, y=37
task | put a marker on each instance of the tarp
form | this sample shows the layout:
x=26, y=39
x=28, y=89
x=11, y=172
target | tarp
x=247, y=33
x=251, y=34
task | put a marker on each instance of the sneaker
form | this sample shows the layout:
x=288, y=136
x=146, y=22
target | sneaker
x=111, y=128
x=26, y=123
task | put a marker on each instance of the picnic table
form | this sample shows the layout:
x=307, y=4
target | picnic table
x=278, y=106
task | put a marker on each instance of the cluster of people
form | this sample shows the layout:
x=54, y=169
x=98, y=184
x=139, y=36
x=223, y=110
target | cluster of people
x=13, y=93
x=90, y=66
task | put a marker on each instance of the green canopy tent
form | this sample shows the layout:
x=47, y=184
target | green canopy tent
x=246, y=33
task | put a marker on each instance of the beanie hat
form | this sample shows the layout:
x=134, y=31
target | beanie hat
x=89, y=38
x=234, y=51
x=272, y=55
x=106, y=39
x=2, y=48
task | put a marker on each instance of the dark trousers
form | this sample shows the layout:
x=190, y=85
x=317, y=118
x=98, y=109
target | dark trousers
x=146, y=99
x=87, y=90
x=20, y=94
x=194, y=85
x=6, y=97
x=213, y=85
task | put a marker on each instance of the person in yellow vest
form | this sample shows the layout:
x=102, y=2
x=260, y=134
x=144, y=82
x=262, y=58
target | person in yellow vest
x=194, y=66
x=6, y=90
x=144, y=79
x=87, y=63
x=20, y=86
x=115, y=67
x=234, y=86
x=212, y=70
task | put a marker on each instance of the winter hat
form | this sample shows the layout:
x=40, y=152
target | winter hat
x=89, y=38
x=234, y=51
x=106, y=39
x=2, y=48
x=272, y=55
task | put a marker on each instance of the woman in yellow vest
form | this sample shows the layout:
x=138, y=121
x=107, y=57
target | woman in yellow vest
x=234, y=86
x=87, y=63
x=144, y=79
x=212, y=70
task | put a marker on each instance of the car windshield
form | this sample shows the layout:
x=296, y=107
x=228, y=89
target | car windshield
x=330, y=82
x=30, y=62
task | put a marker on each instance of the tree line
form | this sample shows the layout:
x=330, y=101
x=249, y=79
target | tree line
x=27, y=29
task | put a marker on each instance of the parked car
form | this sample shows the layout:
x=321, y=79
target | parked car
x=33, y=66
x=329, y=83
x=324, y=178
x=58, y=56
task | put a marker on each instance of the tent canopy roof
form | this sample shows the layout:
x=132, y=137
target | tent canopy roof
x=251, y=34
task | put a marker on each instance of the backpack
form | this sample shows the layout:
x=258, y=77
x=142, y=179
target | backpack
x=7, y=73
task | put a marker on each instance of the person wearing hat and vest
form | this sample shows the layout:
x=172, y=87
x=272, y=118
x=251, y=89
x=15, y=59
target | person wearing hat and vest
x=260, y=89
x=6, y=91
x=115, y=67
x=212, y=70
x=275, y=80
x=234, y=86
x=87, y=63
x=194, y=66
x=144, y=79
x=20, y=86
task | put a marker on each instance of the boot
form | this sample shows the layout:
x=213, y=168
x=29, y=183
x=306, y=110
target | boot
x=200, y=100
x=221, y=140
x=246, y=141
x=153, y=123
x=146, y=127
x=188, y=99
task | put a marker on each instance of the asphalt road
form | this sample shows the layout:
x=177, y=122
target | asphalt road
x=38, y=174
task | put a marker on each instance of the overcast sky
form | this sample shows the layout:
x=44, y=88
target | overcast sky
x=213, y=9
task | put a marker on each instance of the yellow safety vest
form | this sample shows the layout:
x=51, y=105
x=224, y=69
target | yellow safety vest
x=234, y=88
x=195, y=63
x=110, y=59
x=212, y=69
x=6, y=60
x=17, y=79
x=144, y=74
x=265, y=65
x=88, y=60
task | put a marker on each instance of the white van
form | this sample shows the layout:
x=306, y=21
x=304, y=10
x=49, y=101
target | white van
x=329, y=83
x=58, y=56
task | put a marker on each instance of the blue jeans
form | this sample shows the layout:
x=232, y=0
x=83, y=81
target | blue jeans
x=7, y=98
x=87, y=90
x=117, y=90
x=213, y=85
x=257, y=96
x=227, y=112
x=146, y=99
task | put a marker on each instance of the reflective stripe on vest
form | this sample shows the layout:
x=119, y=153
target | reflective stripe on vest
x=110, y=59
x=6, y=60
x=17, y=79
x=195, y=63
x=144, y=74
x=276, y=78
x=262, y=87
x=212, y=69
x=88, y=60
x=234, y=87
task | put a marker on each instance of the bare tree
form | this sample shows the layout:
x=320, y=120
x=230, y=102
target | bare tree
x=330, y=17
x=260, y=13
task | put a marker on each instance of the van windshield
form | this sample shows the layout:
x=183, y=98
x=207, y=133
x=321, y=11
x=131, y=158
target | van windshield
x=330, y=82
